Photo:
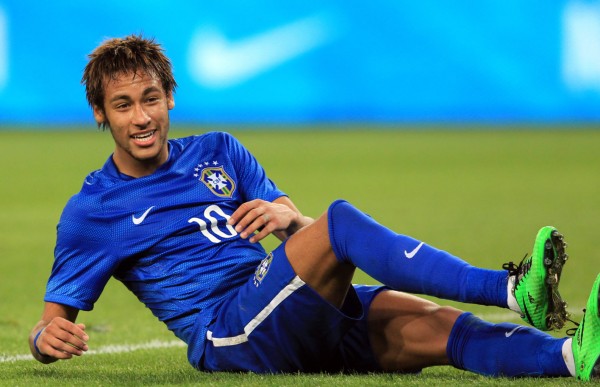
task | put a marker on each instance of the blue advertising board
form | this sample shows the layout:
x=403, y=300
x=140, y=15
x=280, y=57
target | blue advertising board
x=317, y=61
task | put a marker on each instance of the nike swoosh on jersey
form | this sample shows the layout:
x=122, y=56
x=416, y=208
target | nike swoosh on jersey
x=413, y=252
x=217, y=62
x=139, y=220
x=509, y=334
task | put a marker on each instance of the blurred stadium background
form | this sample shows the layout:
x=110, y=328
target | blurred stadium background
x=309, y=61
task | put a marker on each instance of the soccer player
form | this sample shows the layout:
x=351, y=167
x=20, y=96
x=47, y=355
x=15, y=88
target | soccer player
x=178, y=221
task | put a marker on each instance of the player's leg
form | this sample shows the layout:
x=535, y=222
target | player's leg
x=406, y=264
x=525, y=351
x=325, y=253
x=408, y=333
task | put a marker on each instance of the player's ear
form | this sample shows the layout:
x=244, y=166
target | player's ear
x=170, y=101
x=99, y=115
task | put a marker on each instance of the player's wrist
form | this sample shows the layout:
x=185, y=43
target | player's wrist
x=35, y=346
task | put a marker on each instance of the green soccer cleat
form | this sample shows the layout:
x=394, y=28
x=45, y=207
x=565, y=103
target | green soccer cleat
x=536, y=281
x=586, y=343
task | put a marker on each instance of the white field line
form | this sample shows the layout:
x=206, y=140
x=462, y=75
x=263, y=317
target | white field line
x=107, y=349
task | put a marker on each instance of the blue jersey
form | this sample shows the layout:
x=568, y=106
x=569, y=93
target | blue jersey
x=164, y=235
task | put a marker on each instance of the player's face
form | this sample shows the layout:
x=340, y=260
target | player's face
x=136, y=108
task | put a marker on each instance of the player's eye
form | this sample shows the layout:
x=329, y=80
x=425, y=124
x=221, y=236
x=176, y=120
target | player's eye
x=152, y=99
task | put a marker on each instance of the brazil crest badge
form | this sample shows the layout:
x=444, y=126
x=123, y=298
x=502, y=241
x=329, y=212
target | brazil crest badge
x=217, y=180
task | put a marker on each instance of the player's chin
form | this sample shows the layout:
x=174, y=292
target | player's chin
x=146, y=155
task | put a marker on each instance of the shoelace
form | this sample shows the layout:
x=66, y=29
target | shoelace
x=571, y=331
x=515, y=269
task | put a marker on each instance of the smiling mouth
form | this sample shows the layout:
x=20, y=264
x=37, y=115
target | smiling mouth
x=145, y=137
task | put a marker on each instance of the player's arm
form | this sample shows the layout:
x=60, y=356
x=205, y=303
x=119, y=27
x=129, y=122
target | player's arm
x=56, y=336
x=258, y=218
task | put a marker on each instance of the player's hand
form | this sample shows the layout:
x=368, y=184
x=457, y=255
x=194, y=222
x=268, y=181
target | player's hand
x=62, y=339
x=258, y=218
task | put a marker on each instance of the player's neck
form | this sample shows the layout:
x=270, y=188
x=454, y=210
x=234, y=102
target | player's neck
x=130, y=166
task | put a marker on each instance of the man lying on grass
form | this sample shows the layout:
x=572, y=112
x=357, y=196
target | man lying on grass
x=179, y=222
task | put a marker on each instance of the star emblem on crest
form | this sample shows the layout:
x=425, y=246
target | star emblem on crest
x=217, y=181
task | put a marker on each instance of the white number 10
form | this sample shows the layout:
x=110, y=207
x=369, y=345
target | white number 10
x=214, y=229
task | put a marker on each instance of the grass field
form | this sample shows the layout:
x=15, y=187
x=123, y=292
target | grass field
x=480, y=194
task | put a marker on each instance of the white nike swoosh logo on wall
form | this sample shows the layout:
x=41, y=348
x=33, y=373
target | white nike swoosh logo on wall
x=139, y=220
x=217, y=62
x=509, y=334
x=414, y=252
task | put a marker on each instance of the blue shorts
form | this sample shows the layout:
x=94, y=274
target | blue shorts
x=276, y=323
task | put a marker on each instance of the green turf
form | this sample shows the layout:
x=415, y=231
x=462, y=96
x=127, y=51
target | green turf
x=480, y=194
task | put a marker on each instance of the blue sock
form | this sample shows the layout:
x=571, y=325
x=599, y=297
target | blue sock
x=406, y=264
x=504, y=349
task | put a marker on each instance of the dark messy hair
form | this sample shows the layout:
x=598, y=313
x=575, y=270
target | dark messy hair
x=132, y=53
